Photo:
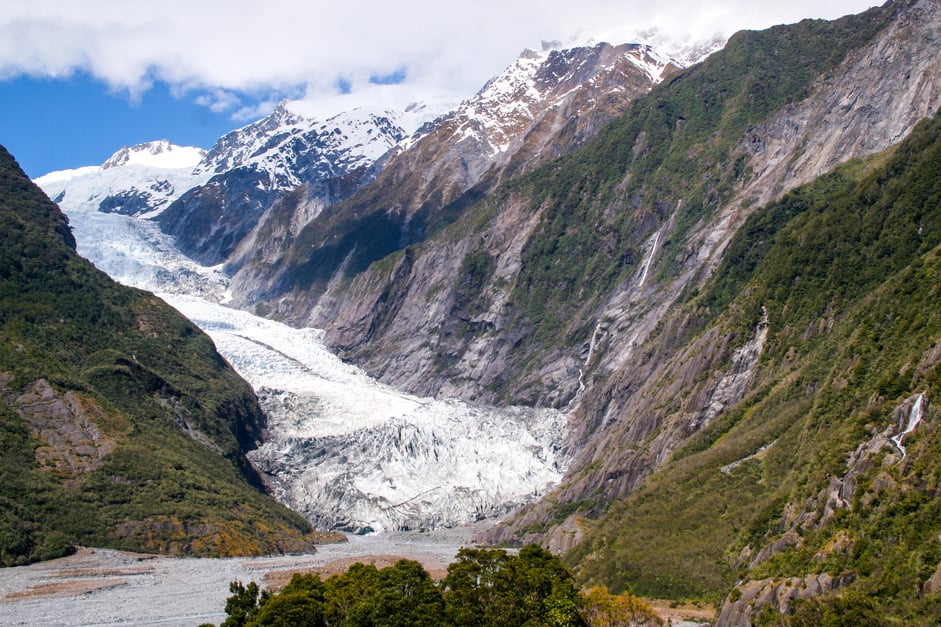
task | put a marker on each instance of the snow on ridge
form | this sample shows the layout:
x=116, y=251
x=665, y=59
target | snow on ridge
x=650, y=61
x=59, y=176
x=151, y=189
x=666, y=48
x=519, y=75
x=139, y=180
x=156, y=154
x=287, y=143
x=160, y=154
x=511, y=98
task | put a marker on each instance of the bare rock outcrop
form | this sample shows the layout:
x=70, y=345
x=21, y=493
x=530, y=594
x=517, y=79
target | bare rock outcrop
x=636, y=391
x=750, y=598
x=66, y=426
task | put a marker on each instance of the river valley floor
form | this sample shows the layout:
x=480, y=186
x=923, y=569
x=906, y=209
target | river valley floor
x=105, y=587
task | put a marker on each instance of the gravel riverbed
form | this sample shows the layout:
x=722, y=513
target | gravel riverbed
x=105, y=587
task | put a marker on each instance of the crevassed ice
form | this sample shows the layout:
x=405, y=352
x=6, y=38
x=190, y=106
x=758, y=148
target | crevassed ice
x=353, y=454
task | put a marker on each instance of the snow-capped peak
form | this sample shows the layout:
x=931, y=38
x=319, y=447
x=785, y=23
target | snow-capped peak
x=540, y=79
x=156, y=154
x=654, y=63
x=291, y=148
x=136, y=180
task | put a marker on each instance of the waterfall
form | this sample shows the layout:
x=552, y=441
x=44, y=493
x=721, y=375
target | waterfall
x=914, y=417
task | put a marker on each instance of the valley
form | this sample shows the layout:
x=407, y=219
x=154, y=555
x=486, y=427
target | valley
x=352, y=454
x=346, y=451
x=641, y=313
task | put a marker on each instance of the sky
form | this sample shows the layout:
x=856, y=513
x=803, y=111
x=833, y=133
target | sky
x=79, y=79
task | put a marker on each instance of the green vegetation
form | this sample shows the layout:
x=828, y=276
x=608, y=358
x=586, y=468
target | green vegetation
x=669, y=154
x=848, y=270
x=482, y=587
x=120, y=425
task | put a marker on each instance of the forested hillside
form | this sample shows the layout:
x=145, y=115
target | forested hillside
x=737, y=323
x=120, y=425
x=813, y=473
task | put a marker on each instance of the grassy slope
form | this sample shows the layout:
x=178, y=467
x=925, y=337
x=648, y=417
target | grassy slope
x=141, y=372
x=848, y=269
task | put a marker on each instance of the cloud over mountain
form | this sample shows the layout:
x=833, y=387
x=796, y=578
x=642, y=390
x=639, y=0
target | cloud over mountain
x=220, y=49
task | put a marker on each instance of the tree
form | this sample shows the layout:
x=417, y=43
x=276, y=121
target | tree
x=490, y=587
x=345, y=594
x=405, y=596
x=291, y=609
x=300, y=604
x=242, y=607
x=547, y=587
x=478, y=589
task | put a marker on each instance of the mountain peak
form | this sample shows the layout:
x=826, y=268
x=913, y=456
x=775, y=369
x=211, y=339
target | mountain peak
x=158, y=154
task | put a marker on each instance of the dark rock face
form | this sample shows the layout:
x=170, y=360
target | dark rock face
x=543, y=106
x=209, y=221
x=263, y=162
x=127, y=204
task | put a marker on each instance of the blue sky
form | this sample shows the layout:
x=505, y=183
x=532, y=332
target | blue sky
x=79, y=79
x=51, y=124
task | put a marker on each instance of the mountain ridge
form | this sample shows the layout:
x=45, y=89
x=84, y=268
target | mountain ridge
x=544, y=105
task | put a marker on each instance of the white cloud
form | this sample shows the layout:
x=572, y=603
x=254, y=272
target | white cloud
x=219, y=100
x=226, y=47
x=254, y=111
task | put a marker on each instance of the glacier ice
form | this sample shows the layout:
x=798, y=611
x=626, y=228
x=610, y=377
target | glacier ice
x=352, y=454
x=344, y=450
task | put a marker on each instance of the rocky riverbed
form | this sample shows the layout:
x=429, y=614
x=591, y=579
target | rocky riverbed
x=105, y=587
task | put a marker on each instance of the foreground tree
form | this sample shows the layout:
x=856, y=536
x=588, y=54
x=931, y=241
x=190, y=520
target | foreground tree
x=301, y=603
x=487, y=587
x=482, y=587
x=404, y=596
x=242, y=607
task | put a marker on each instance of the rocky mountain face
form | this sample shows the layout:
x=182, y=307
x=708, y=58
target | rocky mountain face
x=616, y=282
x=255, y=166
x=277, y=154
x=816, y=481
x=216, y=206
x=468, y=310
x=544, y=105
x=725, y=275
x=866, y=103
x=120, y=424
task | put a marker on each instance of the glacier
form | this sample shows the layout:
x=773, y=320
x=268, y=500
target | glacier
x=138, y=180
x=355, y=455
x=347, y=452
